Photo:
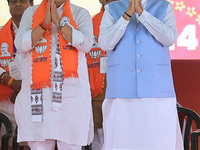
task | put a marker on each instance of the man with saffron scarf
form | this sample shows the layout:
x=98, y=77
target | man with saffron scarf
x=139, y=112
x=10, y=83
x=96, y=59
x=54, y=103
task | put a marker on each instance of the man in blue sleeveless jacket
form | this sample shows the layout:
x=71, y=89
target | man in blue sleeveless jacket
x=139, y=112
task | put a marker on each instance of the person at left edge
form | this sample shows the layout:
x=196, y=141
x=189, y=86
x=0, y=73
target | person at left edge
x=10, y=82
x=55, y=98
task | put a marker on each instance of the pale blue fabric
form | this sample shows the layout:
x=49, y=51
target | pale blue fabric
x=139, y=66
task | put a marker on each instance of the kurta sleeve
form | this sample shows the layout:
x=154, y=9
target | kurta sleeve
x=163, y=31
x=111, y=31
x=82, y=38
x=23, y=40
x=2, y=70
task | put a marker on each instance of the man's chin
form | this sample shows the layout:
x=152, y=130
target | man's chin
x=18, y=14
x=18, y=11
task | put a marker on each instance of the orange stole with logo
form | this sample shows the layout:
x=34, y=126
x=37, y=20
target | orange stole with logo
x=41, y=63
x=6, y=37
x=96, y=78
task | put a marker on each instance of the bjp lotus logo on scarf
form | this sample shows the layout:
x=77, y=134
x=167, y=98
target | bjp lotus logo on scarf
x=95, y=54
x=41, y=48
x=4, y=62
x=96, y=51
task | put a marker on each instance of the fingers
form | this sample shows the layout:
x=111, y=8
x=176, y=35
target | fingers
x=134, y=6
x=49, y=5
x=138, y=7
x=49, y=1
x=131, y=8
x=53, y=5
x=54, y=14
x=47, y=19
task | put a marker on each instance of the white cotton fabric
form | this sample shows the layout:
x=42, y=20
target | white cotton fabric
x=97, y=142
x=50, y=145
x=141, y=124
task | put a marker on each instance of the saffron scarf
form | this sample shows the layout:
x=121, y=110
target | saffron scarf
x=6, y=37
x=41, y=54
x=93, y=60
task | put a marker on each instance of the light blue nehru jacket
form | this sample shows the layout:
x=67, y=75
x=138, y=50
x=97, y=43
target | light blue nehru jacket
x=139, y=66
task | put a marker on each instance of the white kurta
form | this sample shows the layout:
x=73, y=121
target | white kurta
x=73, y=122
x=140, y=123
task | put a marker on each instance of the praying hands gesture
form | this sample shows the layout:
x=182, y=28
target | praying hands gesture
x=134, y=6
x=52, y=14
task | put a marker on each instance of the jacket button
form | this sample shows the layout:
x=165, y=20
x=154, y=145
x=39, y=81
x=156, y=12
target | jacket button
x=138, y=71
x=138, y=42
x=138, y=55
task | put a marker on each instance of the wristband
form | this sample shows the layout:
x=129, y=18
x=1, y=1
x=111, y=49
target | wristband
x=4, y=74
x=10, y=82
x=43, y=25
x=127, y=14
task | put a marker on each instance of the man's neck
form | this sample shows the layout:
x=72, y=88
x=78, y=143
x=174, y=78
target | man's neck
x=16, y=20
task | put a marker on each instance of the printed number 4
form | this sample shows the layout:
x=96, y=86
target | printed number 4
x=187, y=38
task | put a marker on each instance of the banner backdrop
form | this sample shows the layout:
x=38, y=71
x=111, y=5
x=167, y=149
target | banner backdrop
x=187, y=14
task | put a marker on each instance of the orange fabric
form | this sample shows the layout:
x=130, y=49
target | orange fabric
x=41, y=65
x=96, y=78
x=6, y=36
